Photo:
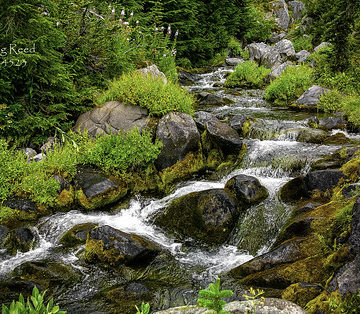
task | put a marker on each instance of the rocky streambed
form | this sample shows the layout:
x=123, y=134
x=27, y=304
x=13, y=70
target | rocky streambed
x=250, y=220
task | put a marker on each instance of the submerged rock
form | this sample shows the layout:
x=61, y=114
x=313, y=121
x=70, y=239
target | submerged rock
x=112, y=117
x=179, y=136
x=114, y=247
x=247, y=190
x=208, y=216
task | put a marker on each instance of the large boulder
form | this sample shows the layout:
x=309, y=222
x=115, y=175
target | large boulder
x=224, y=136
x=315, y=136
x=247, y=190
x=276, y=55
x=208, y=216
x=237, y=122
x=112, y=246
x=271, y=59
x=286, y=49
x=257, y=50
x=298, y=9
x=311, y=97
x=281, y=13
x=112, y=117
x=179, y=136
x=20, y=203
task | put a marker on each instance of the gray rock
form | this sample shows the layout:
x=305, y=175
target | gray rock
x=93, y=183
x=209, y=99
x=233, y=61
x=350, y=190
x=281, y=52
x=20, y=203
x=309, y=135
x=64, y=184
x=237, y=122
x=154, y=72
x=267, y=306
x=311, y=97
x=128, y=248
x=201, y=117
x=50, y=144
x=323, y=179
x=298, y=9
x=257, y=50
x=224, y=136
x=271, y=59
x=24, y=235
x=331, y=123
x=38, y=158
x=29, y=152
x=187, y=78
x=322, y=45
x=247, y=190
x=208, y=216
x=354, y=238
x=112, y=117
x=277, y=71
x=302, y=56
x=3, y=233
x=179, y=136
x=281, y=13
x=293, y=190
x=286, y=49
x=275, y=37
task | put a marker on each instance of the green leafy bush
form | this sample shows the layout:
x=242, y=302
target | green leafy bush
x=289, y=85
x=34, y=305
x=212, y=297
x=249, y=74
x=146, y=92
x=235, y=47
x=120, y=152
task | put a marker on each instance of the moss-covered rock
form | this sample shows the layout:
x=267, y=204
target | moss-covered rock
x=300, y=293
x=76, y=235
x=208, y=216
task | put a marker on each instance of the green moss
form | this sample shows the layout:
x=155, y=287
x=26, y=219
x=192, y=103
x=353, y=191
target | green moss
x=182, y=170
x=70, y=238
x=14, y=217
x=351, y=169
x=319, y=304
x=245, y=130
x=300, y=294
x=65, y=199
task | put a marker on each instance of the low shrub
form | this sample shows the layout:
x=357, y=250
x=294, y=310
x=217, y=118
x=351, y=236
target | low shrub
x=235, y=47
x=289, y=85
x=249, y=74
x=152, y=94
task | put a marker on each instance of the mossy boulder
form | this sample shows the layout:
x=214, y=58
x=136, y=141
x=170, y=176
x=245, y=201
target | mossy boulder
x=114, y=247
x=247, y=190
x=76, y=235
x=18, y=240
x=208, y=216
x=293, y=190
x=95, y=189
x=301, y=293
x=312, y=136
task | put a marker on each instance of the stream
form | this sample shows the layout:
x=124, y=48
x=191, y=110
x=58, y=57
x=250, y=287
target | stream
x=273, y=150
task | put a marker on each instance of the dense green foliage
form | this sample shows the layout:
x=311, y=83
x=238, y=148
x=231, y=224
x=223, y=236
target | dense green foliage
x=212, y=298
x=289, y=85
x=34, y=305
x=249, y=74
x=152, y=94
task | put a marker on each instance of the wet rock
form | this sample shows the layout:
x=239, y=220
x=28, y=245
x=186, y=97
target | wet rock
x=306, y=208
x=21, y=239
x=354, y=239
x=351, y=190
x=301, y=293
x=331, y=123
x=267, y=306
x=322, y=45
x=29, y=152
x=257, y=50
x=277, y=71
x=302, y=56
x=112, y=117
x=50, y=144
x=209, y=99
x=153, y=72
x=298, y=9
x=187, y=78
x=323, y=179
x=310, y=98
x=298, y=228
x=114, y=247
x=207, y=216
x=224, y=136
x=95, y=189
x=288, y=252
x=247, y=190
x=275, y=37
x=237, y=122
x=179, y=136
x=313, y=122
x=281, y=13
x=233, y=61
x=347, y=278
x=76, y=235
x=293, y=190
x=337, y=139
x=312, y=136
x=20, y=203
